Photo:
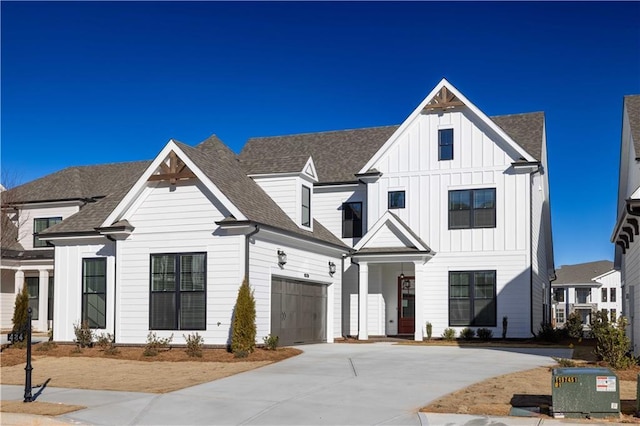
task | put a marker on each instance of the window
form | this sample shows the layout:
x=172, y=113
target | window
x=40, y=225
x=613, y=295
x=178, y=296
x=605, y=313
x=472, y=208
x=613, y=315
x=94, y=292
x=582, y=295
x=351, y=220
x=560, y=316
x=445, y=144
x=33, y=288
x=558, y=295
x=604, y=295
x=306, y=206
x=50, y=300
x=472, y=298
x=396, y=200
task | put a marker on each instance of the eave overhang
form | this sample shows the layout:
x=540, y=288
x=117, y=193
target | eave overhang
x=118, y=231
x=523, y=165
x=392, y=255
x=628, y=226
x=370, y=176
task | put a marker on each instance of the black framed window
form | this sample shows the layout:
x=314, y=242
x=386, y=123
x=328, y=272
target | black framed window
x=614, y=315
x=396, y=200
x=33, y=288
x=445, y=144
x=472, y=298
x=50, y=300
x=558, y=295
x=351, y=220
x=40, y=225
x=178, y=292
x=306, y=206
x=613, y=295
x=604, y=292
x=94, y=292
x=472, y=208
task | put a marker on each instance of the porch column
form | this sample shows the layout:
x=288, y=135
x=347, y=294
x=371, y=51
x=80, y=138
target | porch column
x=18, y=281
x=43, y=299
x=363, y=297
x=420, y=283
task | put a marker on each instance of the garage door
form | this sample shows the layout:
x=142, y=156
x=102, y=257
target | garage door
x=298, y=311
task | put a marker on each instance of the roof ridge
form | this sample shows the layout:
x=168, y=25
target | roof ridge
x=324, y=132
x=516, y=114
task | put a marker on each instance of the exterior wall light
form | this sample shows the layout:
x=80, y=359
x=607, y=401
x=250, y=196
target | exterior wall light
x=332, y=268
x=282, y=258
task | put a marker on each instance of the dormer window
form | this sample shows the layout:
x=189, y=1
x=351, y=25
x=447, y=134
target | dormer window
x=445, y=144
x=306, y=206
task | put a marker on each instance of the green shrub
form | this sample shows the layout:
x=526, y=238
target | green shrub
x=243, y=340
x=467, y=333
x=271, y=342
x=548, y=333
x=194, y=344
x=449, y=334
x=574, y=325
x=612, y=343
x=505, y=325
x=485, y=334
x=84, y=335
x=106, y=342
x=429, y=330
x=156, y=344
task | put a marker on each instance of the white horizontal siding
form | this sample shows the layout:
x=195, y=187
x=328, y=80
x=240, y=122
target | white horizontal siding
x=284, y=191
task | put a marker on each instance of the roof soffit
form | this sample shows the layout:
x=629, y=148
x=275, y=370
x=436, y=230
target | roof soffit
x=430, y=105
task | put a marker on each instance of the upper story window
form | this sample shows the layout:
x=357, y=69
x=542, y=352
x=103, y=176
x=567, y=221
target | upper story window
x=583, y=295
x=558, y=295
x=396, y=200
x=472, y=208
x=613, y=294
x=604, y=295
x=351, y=220
x=306, y=206
x=40, y=225
x=445, y=144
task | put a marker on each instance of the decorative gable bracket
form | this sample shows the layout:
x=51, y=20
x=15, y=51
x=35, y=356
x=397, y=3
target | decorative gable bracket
x=176, y=170
x=443, y=100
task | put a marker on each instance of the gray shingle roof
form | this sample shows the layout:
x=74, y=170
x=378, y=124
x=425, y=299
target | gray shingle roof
x=632, y=102
x=75, y=183
x=339, y=155
x=9, y=234
x=582, y=273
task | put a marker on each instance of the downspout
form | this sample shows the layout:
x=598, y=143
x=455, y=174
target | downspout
x=533, y=333
x=246, y=251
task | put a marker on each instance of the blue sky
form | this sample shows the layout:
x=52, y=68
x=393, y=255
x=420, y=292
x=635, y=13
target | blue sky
x=89, y=83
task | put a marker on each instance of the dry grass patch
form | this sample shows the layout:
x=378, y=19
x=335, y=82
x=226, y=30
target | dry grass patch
x=129, y=369
x=38, y=408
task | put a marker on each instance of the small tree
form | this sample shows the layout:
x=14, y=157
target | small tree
x=612, y=343
x=243, y=340
x=20, y=310
x=574, y=325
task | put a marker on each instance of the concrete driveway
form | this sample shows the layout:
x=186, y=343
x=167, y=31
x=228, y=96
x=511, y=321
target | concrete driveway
x=354, y=384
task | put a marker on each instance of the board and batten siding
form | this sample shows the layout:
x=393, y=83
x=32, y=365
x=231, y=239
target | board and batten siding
x=177, y=221
x=305, y=262
x=327, y=207
x=481, y=160
x=67, y=309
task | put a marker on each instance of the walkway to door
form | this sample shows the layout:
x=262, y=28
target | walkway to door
x=356, y=384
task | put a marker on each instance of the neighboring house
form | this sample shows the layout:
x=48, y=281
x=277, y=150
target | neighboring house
x=586, y=288
x=364, y=232
x=627, y=230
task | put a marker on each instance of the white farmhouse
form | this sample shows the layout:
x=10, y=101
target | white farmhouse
x=627, y=229
x=584, y=289
x=368, y=232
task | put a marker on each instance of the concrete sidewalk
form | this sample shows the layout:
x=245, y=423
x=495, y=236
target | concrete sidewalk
x=328, y=384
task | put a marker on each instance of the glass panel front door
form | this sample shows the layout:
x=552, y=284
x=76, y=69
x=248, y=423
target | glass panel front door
x=406, y=305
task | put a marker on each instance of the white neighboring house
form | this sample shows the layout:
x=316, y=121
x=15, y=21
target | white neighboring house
x=586, y=288
x=627, y=230
x=367, y=232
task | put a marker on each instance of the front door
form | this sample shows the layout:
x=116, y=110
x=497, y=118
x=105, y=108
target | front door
x=406, y=305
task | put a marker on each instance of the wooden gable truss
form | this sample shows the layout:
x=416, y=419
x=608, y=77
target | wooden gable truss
x=176, y=170
x=443, y=100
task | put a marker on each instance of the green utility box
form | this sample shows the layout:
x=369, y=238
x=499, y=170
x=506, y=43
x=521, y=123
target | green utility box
x=585, y=392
